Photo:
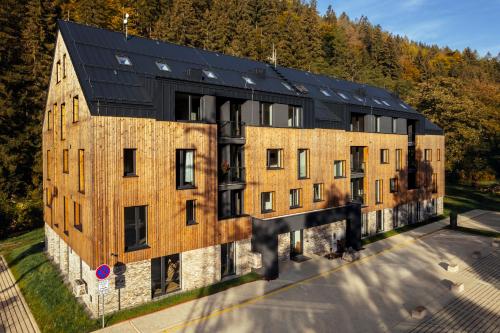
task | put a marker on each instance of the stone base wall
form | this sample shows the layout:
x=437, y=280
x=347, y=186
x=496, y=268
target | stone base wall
x=318, y=240
x=200, y=267
x=440, y=205
x=284, y=246
x=243, y=257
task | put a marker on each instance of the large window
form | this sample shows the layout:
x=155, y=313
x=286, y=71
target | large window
x=266, y=114
x=65, y=161
x=380, y=220
x=428, y=155
x=185, y=168
x=303, y=163
x=295, y=198
x=77, y=216
x=399, y=166
x=434, y=183
x=227, y=256
x=165, y=275
x=294, y=116
x=357, y=122
x=76, y=109
x=393, y=185
x=190, y=212
x=384, y=156
x=49, y=164
x=339, y=169
x=63, y=121
x=129, y=162
x=267, y=202
x=135, y=227
x=274, y=158
x=188, y=107
x=378, y=191
x=81, y=170
x=439, y=154
x=317, y=192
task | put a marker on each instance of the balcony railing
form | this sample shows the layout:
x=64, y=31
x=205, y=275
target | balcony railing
x=231, y=129
x=358, y=167
x=359, y=198
x=232, y=175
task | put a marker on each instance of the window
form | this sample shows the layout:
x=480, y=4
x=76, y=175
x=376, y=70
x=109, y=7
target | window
x=294, y=116
x=48, y=197
x=76, y=110
x=64, y=66
x=395, y=217
x=339, y=169
x=393, y=185
x=129, y=162
x=398, y=160
x=77, y=216
x=267, y=202
x=358, y=98
x=439, y=154
x=434, y=183
x=248, y=80
x=266, y=114
x=227, y=256
x=63, y=121
x=394, y=125
x=58, y=71
x=274, y=158
x=295, y=198
x=123, y=60
x=163, y=66
x=428, y=155
x=324, y=92
x=65, y=214
x=377, y=124
x=188, y=107
x=49, y=120
x=65, y=161
x=165, y=275
x=384, y=156
x=364, y=224
x=403, y=106
x=344, y=96
x=380, y=220
x=287, y=86
x=49, y=164
x=54, y=112
x=301, y=88
x=135, y=227
x=209, y=74
x=385, y=103
x=357, y=122
x=317, y=192
x=303, y=163
x=378, y=191
x=376, y=101
x=190, y=212
x=81, y=170
x=185, y=168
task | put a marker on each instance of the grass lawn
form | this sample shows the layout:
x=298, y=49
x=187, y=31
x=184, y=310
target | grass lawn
x=53, y=305
x=461, y=198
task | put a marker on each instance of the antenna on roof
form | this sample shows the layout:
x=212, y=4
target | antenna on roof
x=273, y=58
x=125, y=25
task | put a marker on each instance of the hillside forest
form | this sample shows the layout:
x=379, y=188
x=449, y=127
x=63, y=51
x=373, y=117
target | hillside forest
x=457, y=89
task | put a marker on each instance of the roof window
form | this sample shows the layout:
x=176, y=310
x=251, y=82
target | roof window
x=377, y=101
x=123, y=60
x=248, y=80
x=209, y=74
x=403, y=106
x=358, y=98
x=163, y=66
x=385, y=102
x=344, y=96
x=286, y=85
x=324, y=92
x=302, y=88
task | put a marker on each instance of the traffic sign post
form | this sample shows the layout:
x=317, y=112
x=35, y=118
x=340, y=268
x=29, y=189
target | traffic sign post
x=102, y=273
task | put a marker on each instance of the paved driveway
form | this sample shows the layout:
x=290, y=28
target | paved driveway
x=480, y=219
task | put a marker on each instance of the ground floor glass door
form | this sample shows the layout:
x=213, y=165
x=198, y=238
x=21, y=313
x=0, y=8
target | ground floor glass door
x=296, y=243
x=228, y=266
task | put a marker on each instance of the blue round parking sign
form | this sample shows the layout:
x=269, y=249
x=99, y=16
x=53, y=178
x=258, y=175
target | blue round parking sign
x=102, y=272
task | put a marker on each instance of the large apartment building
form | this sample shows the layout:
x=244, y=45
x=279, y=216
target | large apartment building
x=180, y=167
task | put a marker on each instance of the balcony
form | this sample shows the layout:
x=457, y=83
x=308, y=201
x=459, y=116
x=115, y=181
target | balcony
x=231, y=131
x=358, y=169
x=232, y=175
x=359, y=198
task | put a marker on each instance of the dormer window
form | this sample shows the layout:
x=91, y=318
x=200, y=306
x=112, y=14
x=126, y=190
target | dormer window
x=248, y=80
x=359, y=99
x=385, y=103
x=209, y=74
x=163, y=66
x=287, y=86
x=123, y=60
x=377, y=101
x=324, y=92
x=344, y=96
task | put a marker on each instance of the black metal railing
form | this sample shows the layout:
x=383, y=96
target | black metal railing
x=232, y=175
x=231, y=129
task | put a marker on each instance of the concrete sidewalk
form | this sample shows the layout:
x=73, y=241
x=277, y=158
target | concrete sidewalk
x=290, y=274
x=480, y=219
x=15, y=315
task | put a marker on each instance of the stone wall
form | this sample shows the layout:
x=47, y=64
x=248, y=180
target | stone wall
x=388, y=219
x=440, y=205
x=318, y=240
x=284, y=246
x=243, y=252
x=200, y=267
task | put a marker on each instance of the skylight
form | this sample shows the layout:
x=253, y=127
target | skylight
x=163, y=66
x=123, y=60
x=358, y=98
x=385, y=102
x=209, y=74
x=286, y=85
x=324, y=92
x=344, y=96
x=403, y=106
x=302, y=88
x=248, y=80
x=377, y=101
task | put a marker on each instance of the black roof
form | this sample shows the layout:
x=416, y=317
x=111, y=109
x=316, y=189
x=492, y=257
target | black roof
x=93, y=52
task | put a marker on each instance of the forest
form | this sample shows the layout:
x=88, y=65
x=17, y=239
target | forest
x=457, y=89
